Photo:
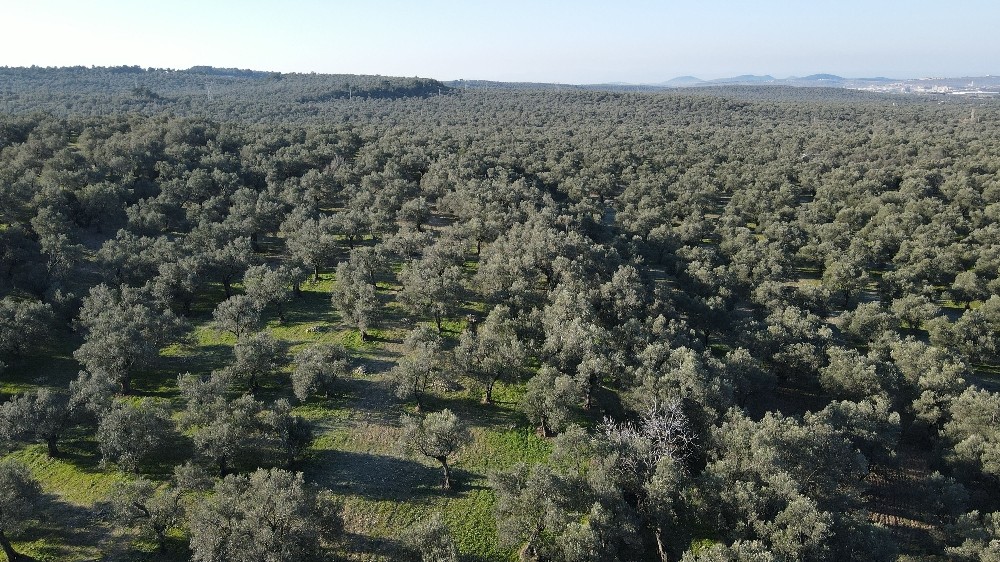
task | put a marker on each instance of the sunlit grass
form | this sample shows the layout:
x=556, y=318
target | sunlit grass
x=357, y=452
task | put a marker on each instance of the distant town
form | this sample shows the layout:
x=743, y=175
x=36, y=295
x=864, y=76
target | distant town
x=976, y=86
x=988, y=86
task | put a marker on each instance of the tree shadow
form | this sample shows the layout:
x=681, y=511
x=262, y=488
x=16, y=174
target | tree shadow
x=310, y=307
x=206, y=299
x=372, y=546
x=374, y=477
x=79, y=448
x=379, y=363
x=174, y=451
x=377, y=338
x=464, y=480
x=367, y=390
x=197, y=358
x=61, y=530
x=52, y=364
x=472, y=410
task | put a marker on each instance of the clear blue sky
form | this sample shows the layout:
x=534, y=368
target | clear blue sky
x=580, y=41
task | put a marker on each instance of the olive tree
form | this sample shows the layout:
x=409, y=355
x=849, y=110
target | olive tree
x=973, y=430
x=23, y=325
x=317, y=367
x=541, y=513
x=432, y=287
x=648, y=463
x=419, y=366
x=868, y=321
x=431, y=540
x=229, y=261
x=311, y=242
x=969, y=287
x=130, y=431
x=355, y=298
x=124, y=329
x=271, y=286
x=491, y=353
x=42, y=415
x=238, y=315
x=256, y=357
x=438, y=435
x=287, y=432
x=268, y=515
x=154, y=509
x=549, y=399
x=19, y=495
x=914, y=309
x=228, y=430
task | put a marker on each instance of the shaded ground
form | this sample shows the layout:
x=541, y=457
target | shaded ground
x=898, y=499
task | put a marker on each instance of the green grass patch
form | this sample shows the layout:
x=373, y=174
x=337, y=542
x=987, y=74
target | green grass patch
x=51, y=365
x=75, y=477
x=356, y=454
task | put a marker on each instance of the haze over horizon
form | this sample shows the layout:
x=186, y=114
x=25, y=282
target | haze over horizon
x=635, y=41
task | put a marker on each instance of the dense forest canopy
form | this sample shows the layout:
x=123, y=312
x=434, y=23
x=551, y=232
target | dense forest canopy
x=261, y=316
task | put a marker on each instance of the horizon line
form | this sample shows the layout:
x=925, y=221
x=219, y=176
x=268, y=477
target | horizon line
x=592, y=83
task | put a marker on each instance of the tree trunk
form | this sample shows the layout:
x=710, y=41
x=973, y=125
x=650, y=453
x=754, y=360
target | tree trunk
x=588, y=398
x=315, y=273
x=488, y=398
x=126, y=384
x=50, y=443
x=253, y=242
x=12, y=554
x=228, y=286
x=297, y=289
x=660, y=549
x=447, y=472
x=161, y=539
x=543, y=429
x=437, y=320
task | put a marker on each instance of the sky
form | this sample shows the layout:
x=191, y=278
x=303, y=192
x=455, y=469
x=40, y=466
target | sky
x=574, y=42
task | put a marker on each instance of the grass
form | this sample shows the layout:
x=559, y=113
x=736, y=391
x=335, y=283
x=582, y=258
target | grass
x=356, y=454
x=73, y=485
x=52, y=365
x=75, y=477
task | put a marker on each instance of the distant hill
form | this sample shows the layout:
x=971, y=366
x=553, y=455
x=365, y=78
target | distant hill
x=746, y=79
x=215, y=83
x=681, y=81
x=200, y=90
x=254, y=95
x=812, y=80
x=821, y=77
